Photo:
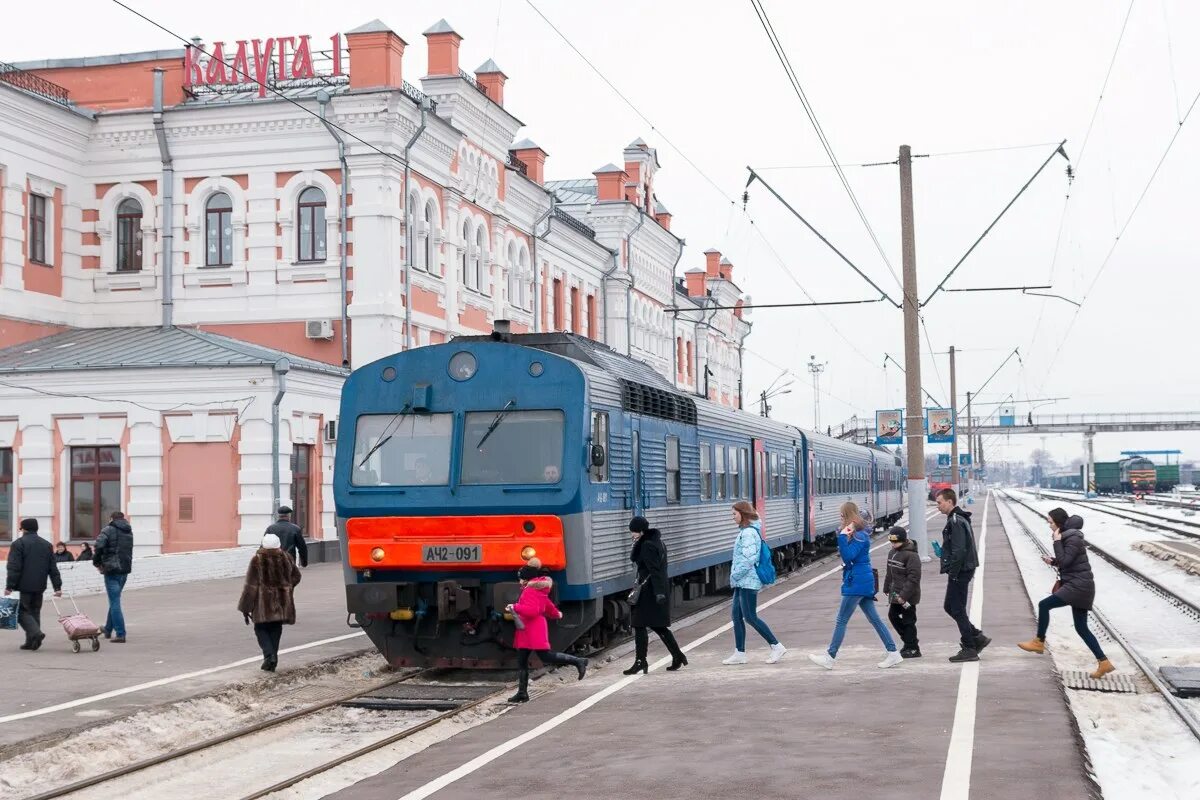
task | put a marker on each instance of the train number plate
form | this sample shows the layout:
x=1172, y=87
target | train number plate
x=452, y=553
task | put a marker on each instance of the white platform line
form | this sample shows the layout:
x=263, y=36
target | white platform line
x=956, y=780
x=566, y=715
x=83, y=701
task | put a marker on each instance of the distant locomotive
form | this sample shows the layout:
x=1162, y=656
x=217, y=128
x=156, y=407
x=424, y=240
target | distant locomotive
x=1129, y=475
x=457, y=463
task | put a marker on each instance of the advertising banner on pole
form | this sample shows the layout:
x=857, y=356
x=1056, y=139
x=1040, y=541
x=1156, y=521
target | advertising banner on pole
x=889, y=426
x=1007, y=420
x=940, y=424
x=943, y=459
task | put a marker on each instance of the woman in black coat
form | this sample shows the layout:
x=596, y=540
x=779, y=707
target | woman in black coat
x=653, y=607
x=1076, y=587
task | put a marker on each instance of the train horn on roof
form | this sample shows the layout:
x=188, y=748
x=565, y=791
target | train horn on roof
x=502, y=330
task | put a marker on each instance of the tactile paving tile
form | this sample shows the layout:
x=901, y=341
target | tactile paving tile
x=1115, y=682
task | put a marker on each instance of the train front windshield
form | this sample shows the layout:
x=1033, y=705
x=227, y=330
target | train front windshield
x=498, y=447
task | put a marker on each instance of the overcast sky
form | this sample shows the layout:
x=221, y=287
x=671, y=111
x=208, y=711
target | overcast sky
x=942, y=77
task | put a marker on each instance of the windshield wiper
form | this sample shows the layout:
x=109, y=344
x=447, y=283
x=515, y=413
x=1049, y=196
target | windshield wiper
x=495, y=423
x=388, y=436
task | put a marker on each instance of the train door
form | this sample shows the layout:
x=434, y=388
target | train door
x=798, y=493
x=876, y=505
x=759, y=489
x=635, y=460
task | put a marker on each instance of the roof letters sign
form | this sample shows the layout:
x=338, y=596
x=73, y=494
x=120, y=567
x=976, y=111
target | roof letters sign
x=260, y=63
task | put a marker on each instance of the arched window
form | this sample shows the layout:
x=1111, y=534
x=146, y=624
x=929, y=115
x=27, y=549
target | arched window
x=524, y=280
x=464, y=259
x=514, y=278
x=412, y=249
x=218, y=231
x=480, y=243
x=310, y=233
x=129, y=236
x=430, y=259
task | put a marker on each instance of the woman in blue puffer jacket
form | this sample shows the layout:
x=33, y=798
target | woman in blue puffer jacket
x=858, y=589
x=743, y=577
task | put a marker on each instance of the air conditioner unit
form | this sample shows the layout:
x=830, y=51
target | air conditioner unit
x=331, y=431
x=318, y=329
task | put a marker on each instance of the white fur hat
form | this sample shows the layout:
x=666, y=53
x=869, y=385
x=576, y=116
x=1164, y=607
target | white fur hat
x=270, y=542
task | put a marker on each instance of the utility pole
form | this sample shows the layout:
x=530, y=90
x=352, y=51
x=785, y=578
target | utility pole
x=954, y=422
x=913, y=429
x=816, y=370
x=970, y=442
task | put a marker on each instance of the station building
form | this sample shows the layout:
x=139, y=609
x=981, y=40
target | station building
x=190, y=263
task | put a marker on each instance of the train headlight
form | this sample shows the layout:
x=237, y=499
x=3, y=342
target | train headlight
x=462, y=366
x=377, y=554
x=527, y=553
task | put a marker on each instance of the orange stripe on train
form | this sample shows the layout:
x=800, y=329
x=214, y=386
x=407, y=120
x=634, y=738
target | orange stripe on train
x=501, y=540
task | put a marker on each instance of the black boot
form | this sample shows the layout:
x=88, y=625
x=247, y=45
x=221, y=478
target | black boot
x=522, y=695
x=965, y=654
x=981, y=642
x=580, y=664
x=639, y=665
x=678, y=659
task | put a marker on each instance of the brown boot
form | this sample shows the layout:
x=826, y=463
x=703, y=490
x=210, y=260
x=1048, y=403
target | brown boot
x=1034, y=645
x=1103, y=667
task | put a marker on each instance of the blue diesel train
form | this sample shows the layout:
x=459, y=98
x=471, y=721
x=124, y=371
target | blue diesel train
x=457, y=463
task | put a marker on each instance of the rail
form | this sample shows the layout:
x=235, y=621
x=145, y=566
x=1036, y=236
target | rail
x=34, y=84
x=573, y=224
x=417, y=96
x=1192, y=723
x=1154, y=521
x=517, y=164
x=469, y=78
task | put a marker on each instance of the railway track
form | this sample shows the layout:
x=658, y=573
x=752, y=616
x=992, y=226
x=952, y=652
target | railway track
x=1189, y=529
x=1185, y=715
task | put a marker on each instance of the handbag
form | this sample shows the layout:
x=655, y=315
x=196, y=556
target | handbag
x=9, y=609
x=1057, y=586
x=636, y=592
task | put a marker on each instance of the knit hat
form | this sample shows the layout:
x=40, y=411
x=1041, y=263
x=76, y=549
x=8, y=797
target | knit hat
x=532, y=569
x=897, y=534
x=270, y=542
x=639, y=525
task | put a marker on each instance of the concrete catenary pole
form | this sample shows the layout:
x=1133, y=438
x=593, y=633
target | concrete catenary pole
x=969, y=445
x=913, y=429
x=954, y=422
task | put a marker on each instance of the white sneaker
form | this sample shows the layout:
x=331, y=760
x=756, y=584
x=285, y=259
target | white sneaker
x=821, y=660
x=777, y=651
x=738, y=657
x=892, y=659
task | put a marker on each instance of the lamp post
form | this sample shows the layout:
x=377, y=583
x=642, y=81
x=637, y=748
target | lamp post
x=764, y=408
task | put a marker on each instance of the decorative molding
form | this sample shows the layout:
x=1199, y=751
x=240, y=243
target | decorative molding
x=124, y=281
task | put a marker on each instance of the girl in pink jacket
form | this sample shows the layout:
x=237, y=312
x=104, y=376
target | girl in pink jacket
x=533, y=635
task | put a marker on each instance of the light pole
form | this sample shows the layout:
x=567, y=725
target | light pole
x=816, y=370
x=764, y=407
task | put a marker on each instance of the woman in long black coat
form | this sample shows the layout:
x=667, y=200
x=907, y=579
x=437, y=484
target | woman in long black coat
x=1076, y=587
x=653, y=607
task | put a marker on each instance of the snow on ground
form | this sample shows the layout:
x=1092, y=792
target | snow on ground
x=1136, y=745
x=1116, y=536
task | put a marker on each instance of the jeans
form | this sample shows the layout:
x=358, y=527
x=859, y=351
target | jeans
x=956, y=607
x=904, y=620
x=547, y=657
x=1081, y=624
x=641, y=640
x=29, y=615
x=115, y=623
x=745, y=610
x=268, y=635
x=867, y=604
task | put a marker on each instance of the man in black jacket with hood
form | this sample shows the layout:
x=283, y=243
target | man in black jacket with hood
x=959, y=561
x=114, y=557
x=291, y=537
x=30, y=563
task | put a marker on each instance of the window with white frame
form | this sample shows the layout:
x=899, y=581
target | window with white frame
x=429, y=257
x=310, y=232
x=218, y=231
x=481, y=282
x=37, y=228
x=526, y=280
x=513, y=278
x=129, y=236
x=465, y=258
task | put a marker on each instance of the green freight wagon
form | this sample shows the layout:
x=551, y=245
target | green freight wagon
x=1167, y=477
x=1108, y=477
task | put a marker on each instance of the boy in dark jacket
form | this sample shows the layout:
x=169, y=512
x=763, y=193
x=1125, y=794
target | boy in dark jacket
x=902, y=585
x=30, y=563
x=959, y=561
x=114, y=558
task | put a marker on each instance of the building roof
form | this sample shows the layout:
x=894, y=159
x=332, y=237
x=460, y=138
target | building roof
x=101, y=61
x=374, y=26
x=607, y=169
x=441, y=26
x=577, y=191
x=488, y=67
x=525, y=144
x=145, y=347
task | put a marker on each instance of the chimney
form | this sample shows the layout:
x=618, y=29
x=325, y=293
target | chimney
x=725, y=269
x=492, y=79
x=631, y=192
x=695, y=282
x=712, y=263
x=610, y=183
x=662, y=216
x=534, y=159
x=376, y=52
x=442, y=41
x=737, y=312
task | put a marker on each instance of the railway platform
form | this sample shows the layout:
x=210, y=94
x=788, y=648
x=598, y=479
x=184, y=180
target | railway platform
x=183, y=640
x=997, y=729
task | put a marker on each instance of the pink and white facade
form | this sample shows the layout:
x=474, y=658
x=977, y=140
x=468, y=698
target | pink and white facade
x=224, y=213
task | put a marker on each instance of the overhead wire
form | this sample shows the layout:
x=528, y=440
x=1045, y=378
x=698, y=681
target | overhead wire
x=1104, y=86
x=806, y=382
x=1171, y=58
x=785, y=62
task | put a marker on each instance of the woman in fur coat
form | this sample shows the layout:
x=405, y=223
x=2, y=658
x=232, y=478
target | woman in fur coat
x=267, y=597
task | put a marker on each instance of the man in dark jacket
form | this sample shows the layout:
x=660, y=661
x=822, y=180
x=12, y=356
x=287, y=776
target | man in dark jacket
x=114, y=558
x=959, y=560
x=902, y=585
x=291, y=537
x=30, y=563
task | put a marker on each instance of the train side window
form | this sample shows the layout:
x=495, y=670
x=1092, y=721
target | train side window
x=673, y=485
x=781, y=485
x=600, y=438
x=745, y=472
x=719, y=452
x=705, y=472
x=735, y=474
